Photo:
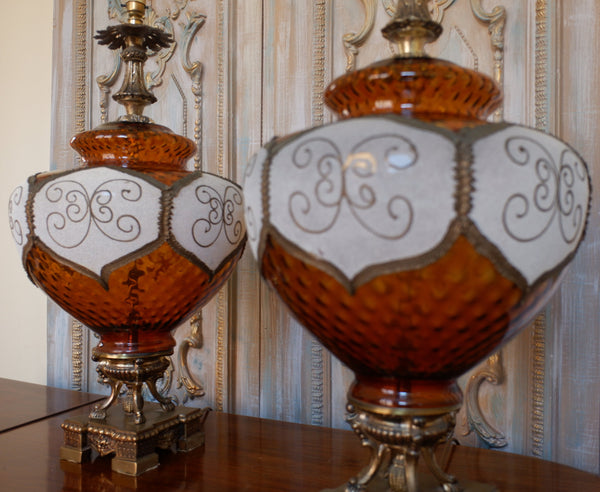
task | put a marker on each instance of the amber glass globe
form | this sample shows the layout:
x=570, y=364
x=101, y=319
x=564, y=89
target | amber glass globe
x=131, y=243
x=408, y=322
x=413, y=238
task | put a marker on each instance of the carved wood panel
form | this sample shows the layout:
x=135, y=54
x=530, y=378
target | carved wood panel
x=244, y=71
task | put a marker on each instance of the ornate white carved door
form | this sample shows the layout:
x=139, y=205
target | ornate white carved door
x=243, y=71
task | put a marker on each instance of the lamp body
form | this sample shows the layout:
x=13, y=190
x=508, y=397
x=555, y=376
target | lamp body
x=413, y=238
x=131, y=243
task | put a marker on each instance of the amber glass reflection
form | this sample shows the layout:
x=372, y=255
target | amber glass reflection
x=407, y=335
x=426, y=88
x=144, y=301
x=140, y=146
x=436, y=321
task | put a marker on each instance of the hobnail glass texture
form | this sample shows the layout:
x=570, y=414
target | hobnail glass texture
x=144, y=299
x=429, y=89
x=409, y=335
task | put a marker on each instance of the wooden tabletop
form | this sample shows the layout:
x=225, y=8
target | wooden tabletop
x=23, y=403
x=250, y=454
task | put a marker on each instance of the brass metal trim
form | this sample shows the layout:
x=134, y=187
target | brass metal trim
x=412, y=28
x=168, y=195
x=438, y=8
x=396, y=445
x=98, y=354
x=135, y=467
x=496, y=21
x=134, y=446
x=401, y=412
x=133, y=372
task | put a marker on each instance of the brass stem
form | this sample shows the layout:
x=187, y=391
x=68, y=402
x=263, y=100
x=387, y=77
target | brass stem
x=136, y=11
x=412, y=28
x=135, y=39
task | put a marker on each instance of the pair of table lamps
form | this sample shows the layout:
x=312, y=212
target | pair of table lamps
x=406, y=237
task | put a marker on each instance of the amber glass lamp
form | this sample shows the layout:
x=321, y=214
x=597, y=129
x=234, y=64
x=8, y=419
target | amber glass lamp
x=130, y=244
x=413, y=238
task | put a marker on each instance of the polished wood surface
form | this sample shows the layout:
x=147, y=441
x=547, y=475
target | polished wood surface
x=251, y=454
x=22, y=403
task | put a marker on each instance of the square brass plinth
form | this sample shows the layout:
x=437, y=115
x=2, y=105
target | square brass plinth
x=134, y=445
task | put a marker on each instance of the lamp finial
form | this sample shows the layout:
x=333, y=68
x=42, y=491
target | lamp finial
x=134, y=38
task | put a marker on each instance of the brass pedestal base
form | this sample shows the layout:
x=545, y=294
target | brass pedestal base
x=134, y=372
x=134, y=445
x=397, y=442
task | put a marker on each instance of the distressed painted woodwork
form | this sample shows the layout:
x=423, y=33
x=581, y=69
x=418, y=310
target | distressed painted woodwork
x=244, y=71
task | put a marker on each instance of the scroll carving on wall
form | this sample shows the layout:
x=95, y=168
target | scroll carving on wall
x=354, y=40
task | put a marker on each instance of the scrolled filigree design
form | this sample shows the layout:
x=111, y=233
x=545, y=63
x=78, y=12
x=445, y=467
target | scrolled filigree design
x=195, y=70
x=163, y=385
x=528, y=217
x=179, y=5
x=438, y=8
x=105, y=83
x=389, y=6
x=252, y=225
x=346, y=184
x=493, y=373
x=220, y=215
x=496, y=21
x=16, y=200
x=70, y=226
x=354, y=40
x=116, y=10
x=163, y=54
x=395, y=446
x=195, y=340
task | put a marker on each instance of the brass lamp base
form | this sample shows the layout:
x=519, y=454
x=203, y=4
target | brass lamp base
x=134, y=372
x=132, y=431
x=397, y=441
x=134, y=445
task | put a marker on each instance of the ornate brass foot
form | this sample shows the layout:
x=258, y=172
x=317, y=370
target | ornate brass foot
x=133, y=431
x=133, y=372
x=134, y=445
x=397, y=442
